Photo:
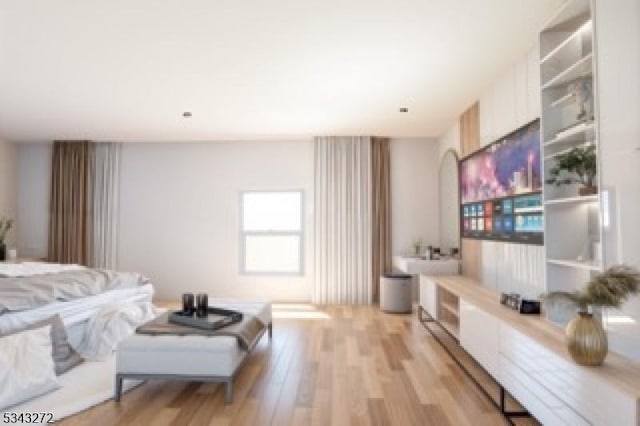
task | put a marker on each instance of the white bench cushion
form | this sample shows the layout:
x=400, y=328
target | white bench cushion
x=188, y=355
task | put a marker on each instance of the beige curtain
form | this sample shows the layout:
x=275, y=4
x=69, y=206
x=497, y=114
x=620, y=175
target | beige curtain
x=381, y=209
x=71, y=201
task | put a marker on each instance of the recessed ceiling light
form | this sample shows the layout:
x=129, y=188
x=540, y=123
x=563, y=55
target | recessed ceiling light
x=186, y=114
x=404, y=109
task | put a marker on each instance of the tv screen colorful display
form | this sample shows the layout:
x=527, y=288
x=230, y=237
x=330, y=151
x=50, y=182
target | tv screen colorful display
x=501, y=189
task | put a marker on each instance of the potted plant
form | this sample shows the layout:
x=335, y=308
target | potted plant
x=577, y=165
x=5, y=226
x=586, y=337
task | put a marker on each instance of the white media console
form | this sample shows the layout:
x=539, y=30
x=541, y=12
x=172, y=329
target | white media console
x=527, y=357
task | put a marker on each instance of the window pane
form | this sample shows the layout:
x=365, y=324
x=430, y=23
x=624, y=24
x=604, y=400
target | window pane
x=271, y=211
x=272, y=253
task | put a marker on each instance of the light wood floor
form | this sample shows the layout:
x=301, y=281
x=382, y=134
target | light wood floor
x=337, y=365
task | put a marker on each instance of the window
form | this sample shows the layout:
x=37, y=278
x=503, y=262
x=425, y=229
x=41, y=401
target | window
x=271, y=232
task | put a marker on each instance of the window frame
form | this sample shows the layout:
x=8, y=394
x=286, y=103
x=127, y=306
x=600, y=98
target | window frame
x=244, y=234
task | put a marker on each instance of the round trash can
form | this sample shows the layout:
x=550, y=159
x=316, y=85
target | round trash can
x=395, y=293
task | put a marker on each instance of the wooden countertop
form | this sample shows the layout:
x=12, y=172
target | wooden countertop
x=616, y=370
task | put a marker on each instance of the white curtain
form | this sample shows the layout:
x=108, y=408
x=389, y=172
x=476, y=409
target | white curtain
x=343, y=215
x=106, y=190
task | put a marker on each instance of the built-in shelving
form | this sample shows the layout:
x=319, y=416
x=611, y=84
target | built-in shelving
x=584, y=29
x=566, y=150
x=448, y=311
x=580, y=133
x=588, y=265
x=573, y=200
x=573, y=223
x=450, y=307
x=581, y=68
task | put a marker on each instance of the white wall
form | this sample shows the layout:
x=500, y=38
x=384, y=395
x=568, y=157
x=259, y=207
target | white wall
x=34, y=187
x=414, y=193
x=511, y=102
x=179, y=212
x=450, y=140
x=618, y=66
x=8, y=196
x=179, y=208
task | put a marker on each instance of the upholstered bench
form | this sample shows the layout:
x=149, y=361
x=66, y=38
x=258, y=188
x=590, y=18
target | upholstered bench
x=189, y=358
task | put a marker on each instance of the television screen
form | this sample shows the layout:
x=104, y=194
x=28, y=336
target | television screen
x=501, y=189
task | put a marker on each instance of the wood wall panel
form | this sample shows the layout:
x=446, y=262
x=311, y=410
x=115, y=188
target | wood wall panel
x=469, y=142
x=470, y=130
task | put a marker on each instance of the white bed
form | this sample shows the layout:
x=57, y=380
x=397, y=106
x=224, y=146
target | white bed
x=85, y=318
x=87, y=385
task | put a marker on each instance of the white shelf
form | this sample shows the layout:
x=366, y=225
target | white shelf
x=584, y=28
x=580, y=133
x=567, y=99
x=564, y=151
x=573, y=200
x=451, y=308
x=588, y=265
x=581, y=68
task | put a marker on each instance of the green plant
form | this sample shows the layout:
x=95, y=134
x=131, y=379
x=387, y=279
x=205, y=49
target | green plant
x=577, y=165
x=5, y=226
x=609, y=289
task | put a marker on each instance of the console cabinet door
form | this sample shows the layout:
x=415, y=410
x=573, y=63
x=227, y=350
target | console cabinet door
x=428, y=295
x=479, y=333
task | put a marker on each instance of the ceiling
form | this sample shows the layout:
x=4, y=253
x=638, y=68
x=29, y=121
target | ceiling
x=126, y=70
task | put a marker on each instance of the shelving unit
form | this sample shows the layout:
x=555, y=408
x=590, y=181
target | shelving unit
x=572, y=200
x=569, y=119
x=449, y=311
x=590, y=265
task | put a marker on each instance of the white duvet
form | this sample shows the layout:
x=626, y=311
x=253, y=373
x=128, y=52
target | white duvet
x=29, y=269
x=110, y=325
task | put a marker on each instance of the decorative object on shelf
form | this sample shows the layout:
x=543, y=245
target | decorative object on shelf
x=576, y=166
x=582, y=90
x=529, y=307
x=5, y=226
x=586, y=338
x=416, y=244
x=510, y=300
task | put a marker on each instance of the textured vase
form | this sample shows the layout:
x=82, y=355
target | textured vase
x=587, y=340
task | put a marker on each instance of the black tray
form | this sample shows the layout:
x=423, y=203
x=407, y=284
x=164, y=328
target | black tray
x=216, y=318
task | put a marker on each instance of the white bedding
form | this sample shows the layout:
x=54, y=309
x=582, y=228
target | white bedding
x=28, y=269
x=85, y=386
x=75, y=311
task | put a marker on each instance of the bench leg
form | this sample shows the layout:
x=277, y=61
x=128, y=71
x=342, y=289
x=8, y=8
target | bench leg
x=118, y=394
x=228, y=391
x=270, y=330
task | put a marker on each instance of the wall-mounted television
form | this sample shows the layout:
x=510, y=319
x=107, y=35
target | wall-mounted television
x=501, y=189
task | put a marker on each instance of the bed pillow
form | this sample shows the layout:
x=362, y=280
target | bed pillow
x=26, y=366
x=64, y=356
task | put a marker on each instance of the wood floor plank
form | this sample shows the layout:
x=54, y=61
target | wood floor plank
x=350, y=365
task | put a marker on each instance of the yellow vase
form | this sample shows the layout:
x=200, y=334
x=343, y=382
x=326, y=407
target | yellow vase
x=587, y=340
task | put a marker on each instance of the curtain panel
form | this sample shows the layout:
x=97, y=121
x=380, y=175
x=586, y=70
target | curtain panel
x=70, y=232
x=83, y=215
x=106, y=190
x=343, y=221
x=381, y=212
